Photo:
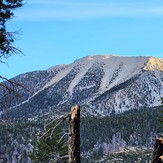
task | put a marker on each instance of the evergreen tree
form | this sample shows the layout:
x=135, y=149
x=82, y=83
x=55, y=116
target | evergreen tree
x=160, y=120
x=7, y=38
x=50, y=147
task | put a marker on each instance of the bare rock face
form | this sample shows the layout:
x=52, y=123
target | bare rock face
x=101, y=84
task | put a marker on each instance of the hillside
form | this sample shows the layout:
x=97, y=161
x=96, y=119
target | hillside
x=126, y=137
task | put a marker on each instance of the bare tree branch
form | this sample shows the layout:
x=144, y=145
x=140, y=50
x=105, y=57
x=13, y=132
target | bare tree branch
x=56, y=157
x=61, y=119
x=62, y=137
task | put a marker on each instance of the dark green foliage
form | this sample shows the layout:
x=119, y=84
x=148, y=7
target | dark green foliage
x=160, y=118
x=132, y=128
x=17, y=137
x=7, y=38
x=18, y=141
x=100, y=136
x=50, y=146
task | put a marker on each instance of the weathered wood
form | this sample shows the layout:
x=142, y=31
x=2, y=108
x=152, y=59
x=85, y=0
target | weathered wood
x=158, y=151
x=74, y=135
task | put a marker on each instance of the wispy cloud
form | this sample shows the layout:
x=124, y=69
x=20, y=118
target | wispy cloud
x=67, y=3
x=61, y=10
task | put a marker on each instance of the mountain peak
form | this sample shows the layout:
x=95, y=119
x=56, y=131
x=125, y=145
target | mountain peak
x=107, y=57
x=154, y=64
x=93, y=58
x=146, y=62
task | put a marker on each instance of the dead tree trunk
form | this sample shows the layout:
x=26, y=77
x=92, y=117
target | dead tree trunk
x=158, y=151
x=74, y=135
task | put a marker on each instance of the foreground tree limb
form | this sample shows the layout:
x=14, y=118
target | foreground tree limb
x=74, y=135
x=7, y=38
x=157, y=156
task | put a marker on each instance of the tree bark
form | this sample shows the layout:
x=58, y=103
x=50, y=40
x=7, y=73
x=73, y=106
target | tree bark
x=158, y=151
x=74, y=135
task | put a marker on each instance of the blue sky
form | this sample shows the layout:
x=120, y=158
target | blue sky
x=58, y=32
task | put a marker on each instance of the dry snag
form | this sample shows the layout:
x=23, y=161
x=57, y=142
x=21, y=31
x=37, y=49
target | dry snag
x=158, y=151
x=74, y=135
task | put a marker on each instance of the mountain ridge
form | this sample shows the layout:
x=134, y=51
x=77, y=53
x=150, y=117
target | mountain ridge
x=103, y=84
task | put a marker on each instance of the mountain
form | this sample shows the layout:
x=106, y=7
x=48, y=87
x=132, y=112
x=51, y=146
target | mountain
x=101, y=84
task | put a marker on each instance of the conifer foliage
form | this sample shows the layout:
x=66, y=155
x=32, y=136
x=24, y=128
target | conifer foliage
x=160, y=119
x=50, y=147
x=7, y=38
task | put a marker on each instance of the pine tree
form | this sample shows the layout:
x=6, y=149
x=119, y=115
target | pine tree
x=7, y=38
x=50, y=147
x=160, y=119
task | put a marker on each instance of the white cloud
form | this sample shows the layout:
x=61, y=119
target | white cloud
x=61, y=10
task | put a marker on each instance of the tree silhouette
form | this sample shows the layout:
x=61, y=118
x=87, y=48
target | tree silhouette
x=50, y=147
x=7, y=38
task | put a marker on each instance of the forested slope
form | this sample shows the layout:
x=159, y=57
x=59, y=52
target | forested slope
x=101, y=137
